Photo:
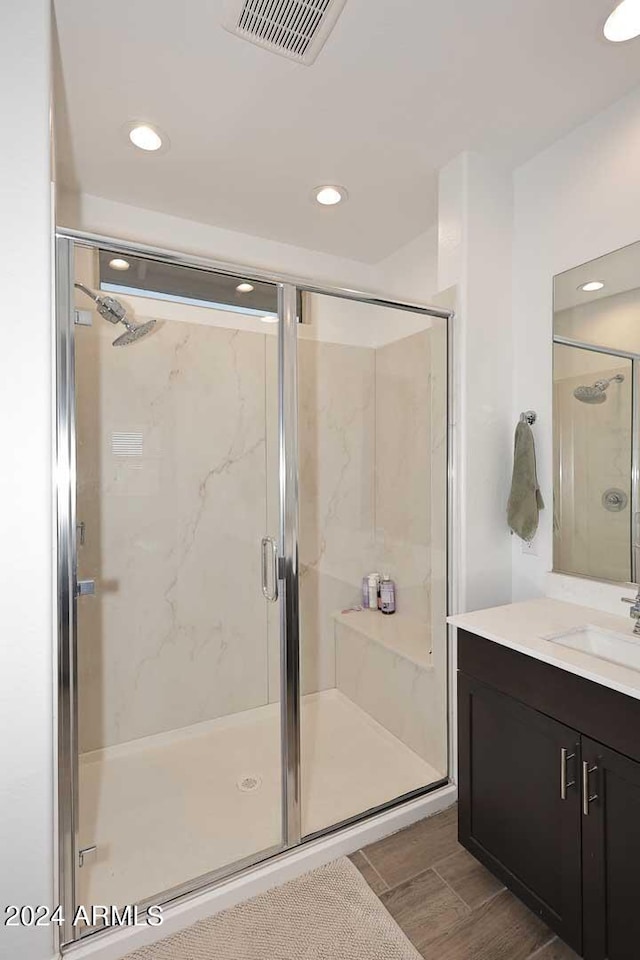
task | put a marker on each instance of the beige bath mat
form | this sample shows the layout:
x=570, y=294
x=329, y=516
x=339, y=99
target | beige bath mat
x=328, y=914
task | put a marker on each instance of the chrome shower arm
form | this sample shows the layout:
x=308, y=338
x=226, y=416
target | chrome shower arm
x=89, y=293
x=108, y=307
x=112, y=310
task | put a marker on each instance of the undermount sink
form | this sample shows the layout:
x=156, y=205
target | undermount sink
x=606, y=644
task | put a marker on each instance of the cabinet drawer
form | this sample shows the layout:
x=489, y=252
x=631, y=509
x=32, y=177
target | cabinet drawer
x=598, y=712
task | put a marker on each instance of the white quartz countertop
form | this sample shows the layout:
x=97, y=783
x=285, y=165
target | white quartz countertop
x=522, y=627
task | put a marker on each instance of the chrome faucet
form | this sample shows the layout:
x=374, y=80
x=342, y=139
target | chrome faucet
x=634, y=611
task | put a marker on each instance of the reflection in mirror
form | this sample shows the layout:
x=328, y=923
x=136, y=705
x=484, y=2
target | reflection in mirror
x=595, y=388
x=592, y=463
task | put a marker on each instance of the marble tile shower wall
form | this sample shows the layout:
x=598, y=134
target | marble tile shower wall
x=403, y=536
x=176, y=466
x=593, y=455
x=172, y=494
x=337, y=438
x=365, y=446
x=336, y=386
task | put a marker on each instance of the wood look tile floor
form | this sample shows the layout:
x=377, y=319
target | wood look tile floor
x=448, y=905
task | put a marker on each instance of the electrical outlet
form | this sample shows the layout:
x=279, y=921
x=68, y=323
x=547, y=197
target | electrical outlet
x=530, y=547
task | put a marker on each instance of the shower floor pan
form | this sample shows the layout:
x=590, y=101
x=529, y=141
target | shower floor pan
x=171, y=807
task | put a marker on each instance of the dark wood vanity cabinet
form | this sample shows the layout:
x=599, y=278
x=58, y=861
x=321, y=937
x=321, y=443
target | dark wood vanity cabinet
x=511, y=815
x=543, y=803
x=611, y=855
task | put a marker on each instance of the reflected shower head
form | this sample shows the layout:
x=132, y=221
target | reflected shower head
x=590, y=395
x=598, y=392
x=112, y=310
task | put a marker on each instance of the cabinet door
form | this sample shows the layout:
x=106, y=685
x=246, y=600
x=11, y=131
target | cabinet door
x=611, y=853
x=519, y=802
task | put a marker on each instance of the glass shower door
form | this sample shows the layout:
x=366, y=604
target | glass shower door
x=178, y=621
x=372, y=409
x=232, y=474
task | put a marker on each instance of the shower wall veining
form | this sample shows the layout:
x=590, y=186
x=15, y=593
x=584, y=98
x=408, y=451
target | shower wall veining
x=171, y=464
x=337, y=436
x=177, y=458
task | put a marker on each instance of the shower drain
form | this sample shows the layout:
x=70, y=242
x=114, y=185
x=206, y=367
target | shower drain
x=248, y=784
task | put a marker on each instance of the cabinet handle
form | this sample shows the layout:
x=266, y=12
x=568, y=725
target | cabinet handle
x=564, y=783
x=587, y=797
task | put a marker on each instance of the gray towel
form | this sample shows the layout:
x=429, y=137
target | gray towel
x=525, y=499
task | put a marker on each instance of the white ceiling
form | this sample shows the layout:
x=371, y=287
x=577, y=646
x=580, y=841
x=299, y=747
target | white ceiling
x=400, y=88
x=618, y=270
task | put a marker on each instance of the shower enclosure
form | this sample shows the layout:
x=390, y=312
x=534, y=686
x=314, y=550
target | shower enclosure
x=229, y=469
x=595, y=461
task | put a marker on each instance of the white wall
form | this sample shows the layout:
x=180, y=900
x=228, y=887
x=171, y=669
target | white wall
x=411, y=273
x=474, y=253
x=408, y=274
x=607, y=322
x=26, y=637
x=575, y=201
x=120, y=220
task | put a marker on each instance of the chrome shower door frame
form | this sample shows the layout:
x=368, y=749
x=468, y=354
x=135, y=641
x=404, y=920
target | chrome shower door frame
x=288, y=303
x=289, y=292
x=67, y=597
x=65, y=460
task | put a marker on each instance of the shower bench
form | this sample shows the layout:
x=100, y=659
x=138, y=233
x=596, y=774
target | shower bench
x=384, y=665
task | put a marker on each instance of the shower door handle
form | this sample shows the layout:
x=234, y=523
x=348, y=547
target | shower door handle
x=269, y=551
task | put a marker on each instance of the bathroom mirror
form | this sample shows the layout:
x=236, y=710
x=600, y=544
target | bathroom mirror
x=596, y=357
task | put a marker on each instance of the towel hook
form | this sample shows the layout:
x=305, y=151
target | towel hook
x=528, y=416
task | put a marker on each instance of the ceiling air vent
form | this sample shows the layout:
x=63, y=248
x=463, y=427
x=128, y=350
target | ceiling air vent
x=296, y=29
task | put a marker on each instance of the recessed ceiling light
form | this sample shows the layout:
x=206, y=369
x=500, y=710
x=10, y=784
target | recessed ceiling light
x=329, y=195
x=269, y=318
x=145, y=137
x=119, y=264
x=624, y=22
x=591, y=286
x=244, y=287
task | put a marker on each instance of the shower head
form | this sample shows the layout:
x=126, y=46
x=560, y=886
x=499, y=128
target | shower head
x=134, y=332
x=598, y=392
x=590, y=394
x=112, y=310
